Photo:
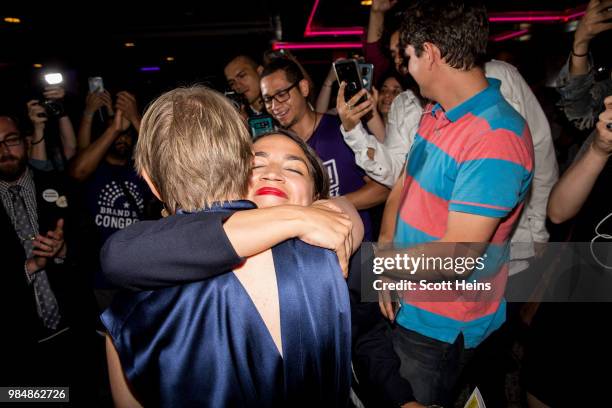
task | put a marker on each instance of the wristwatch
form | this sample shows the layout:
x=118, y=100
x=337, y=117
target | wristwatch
x=58, y=260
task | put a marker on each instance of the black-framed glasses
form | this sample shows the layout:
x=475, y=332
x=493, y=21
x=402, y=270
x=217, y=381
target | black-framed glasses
x=281, y=96
x=12, y=140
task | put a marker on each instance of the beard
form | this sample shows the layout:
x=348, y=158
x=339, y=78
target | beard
x=12, y=167
x=121, y=150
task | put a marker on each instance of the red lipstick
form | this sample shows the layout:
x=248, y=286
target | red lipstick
x=271, y=191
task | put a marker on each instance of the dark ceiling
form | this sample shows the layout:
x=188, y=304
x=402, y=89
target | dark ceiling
x=87, y=38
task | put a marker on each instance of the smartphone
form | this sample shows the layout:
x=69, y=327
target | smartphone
x=367, y=71
x=95, y=84
x=260, y=125
x=349, y=72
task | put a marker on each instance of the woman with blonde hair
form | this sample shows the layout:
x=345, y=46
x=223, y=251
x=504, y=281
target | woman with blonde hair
x=273, y=332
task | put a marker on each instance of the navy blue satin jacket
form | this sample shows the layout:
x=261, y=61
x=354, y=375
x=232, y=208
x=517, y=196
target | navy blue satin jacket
x=204, y=344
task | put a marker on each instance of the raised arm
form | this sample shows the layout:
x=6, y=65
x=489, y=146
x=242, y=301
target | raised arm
x=322, y=104
x=38, y=117
x=373, y=50
x=382, y=162
x=88, y=160
x=582, y=96
x=193, y=247
x=93, y=103
x=573, y=188
x=596, y=20
x=66, y=131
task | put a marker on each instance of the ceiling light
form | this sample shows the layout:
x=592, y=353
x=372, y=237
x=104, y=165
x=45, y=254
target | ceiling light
x=12, y=20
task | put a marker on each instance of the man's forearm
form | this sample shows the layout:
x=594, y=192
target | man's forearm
x=579, y=61
x=573, y=188
x=84, y=135
x=375, y=26
x=387, y=228
x=38, y=145
x=368, y=196
x=273, y=225
x=188, y=248
x=68, y=137
x=88, y=160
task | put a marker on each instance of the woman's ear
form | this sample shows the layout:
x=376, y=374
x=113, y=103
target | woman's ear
x=146, y=178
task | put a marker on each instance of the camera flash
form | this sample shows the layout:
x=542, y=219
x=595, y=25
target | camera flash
x=54, y=79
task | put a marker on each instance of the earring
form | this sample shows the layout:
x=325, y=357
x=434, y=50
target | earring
x=164, y=211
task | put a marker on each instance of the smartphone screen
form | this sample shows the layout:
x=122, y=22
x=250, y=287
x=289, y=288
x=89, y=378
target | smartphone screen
x=366, y=75
x=348, y=71
x=261, y=125
x=95, y=84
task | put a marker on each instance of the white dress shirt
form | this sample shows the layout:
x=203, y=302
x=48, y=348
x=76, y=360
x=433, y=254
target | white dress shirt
x=403, y=122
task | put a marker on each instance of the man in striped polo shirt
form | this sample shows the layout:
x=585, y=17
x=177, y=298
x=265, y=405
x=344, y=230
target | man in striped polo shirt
x=465, y=180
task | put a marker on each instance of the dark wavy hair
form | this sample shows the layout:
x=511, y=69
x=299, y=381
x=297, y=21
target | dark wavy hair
x=316, y=169
x=291, y=69
x=459, y=28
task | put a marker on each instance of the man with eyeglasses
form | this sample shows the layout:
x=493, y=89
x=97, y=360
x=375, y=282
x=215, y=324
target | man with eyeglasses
x=284, y=93
x=39, y=286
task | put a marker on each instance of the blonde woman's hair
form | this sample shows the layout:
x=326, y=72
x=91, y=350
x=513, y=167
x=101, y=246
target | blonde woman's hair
x=195, y=148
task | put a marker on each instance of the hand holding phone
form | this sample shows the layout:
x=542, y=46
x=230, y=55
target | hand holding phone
x=348, y=71
x=96, y=85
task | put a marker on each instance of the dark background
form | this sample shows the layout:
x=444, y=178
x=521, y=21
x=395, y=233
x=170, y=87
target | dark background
x=87, y=39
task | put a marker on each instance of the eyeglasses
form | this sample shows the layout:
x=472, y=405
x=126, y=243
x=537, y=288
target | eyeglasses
x=11, y=141
x=280, y=97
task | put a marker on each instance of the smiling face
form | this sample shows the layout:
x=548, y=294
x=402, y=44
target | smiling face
x=280, y=173
x=294, y=104
x=390, y=89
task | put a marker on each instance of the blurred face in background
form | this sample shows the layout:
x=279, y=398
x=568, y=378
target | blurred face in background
x=397, y=54
x=389, y=90
x=243, y=77
x=13, y=155
x=122, y=146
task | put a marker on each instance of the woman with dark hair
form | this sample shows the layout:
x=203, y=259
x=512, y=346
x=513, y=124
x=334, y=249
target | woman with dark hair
x=390, y=88
x=274, y=331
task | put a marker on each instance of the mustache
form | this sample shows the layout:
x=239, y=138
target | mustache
x=7, y=158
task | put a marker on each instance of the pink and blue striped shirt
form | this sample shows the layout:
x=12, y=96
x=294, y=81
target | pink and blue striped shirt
x=477, y=158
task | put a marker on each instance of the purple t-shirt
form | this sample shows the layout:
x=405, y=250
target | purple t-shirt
x=339, y=161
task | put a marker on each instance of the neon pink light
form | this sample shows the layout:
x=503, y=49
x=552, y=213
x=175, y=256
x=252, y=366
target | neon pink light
x=524, y=19
x=330, y=31
x=534, y=16
x=508, y=35
x=575, y=15
x=507, y=17
x=334, y=31
x=314, y=46
x=311, y=17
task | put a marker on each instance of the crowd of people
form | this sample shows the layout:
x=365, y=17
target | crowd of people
x=207, y=250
